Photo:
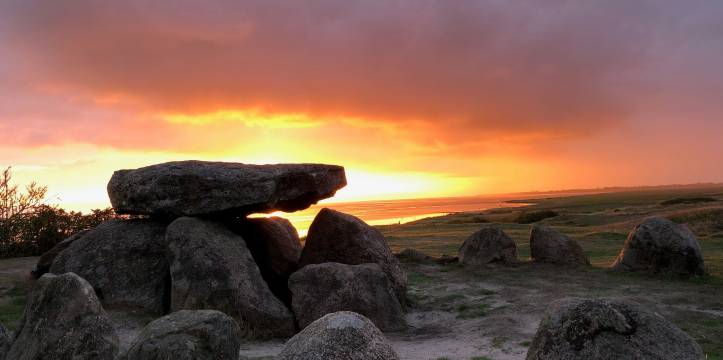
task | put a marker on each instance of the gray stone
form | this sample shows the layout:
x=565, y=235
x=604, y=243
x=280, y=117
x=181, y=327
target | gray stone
x=188, y=188
x=658, y=245
x=6, y=338
x=581, y=329
x=188, y=335
x=321, y=289
x=488, y=245
x=211, y=268
x=63, y=319
x=339, y=336
x=343, y=238
x=46, y=260
x=124, y=261
x=550, y=246
x=275, y=245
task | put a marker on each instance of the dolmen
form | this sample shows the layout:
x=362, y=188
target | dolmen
x=658, y=245
x=186, y=244
x=583, y=329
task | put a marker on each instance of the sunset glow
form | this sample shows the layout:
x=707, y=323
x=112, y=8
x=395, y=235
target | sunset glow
x=428, y=99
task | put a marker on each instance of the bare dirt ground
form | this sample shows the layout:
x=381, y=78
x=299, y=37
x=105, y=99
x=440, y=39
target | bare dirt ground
x=493, y=312
x=490, y=312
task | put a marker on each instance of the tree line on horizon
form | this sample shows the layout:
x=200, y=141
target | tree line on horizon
x=29, y=227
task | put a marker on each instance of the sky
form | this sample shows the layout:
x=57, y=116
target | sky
x=416, y=98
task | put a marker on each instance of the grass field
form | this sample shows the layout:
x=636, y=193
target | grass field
x=600, y=223
x=462, y=313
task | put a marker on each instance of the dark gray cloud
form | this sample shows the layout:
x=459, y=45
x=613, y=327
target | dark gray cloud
x=472, y=67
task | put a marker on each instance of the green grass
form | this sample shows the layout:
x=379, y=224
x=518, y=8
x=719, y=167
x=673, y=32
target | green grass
x=689, y=200
x=599, y=222
x=530, y=217
x=472, y=311
x=481, y=358
x=12, y=306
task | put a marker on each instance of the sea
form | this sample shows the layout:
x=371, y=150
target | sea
x=384, y=212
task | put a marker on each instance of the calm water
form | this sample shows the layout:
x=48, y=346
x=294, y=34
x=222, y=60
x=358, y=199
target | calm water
x=383, y=212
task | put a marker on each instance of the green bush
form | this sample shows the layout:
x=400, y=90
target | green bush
x=534, y=216
x=691, y=200
x=33, y=233
x=28, y=227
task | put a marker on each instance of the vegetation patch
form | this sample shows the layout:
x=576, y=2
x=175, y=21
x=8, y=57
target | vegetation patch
x=12, y=306
x=688, y=200
x=529, y=217
x=467, y=311
x=416, y=278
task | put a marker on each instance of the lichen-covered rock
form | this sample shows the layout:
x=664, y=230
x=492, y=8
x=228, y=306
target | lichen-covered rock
x=188, y=335
x=191, y=188
x=582, y=329
x=488, y=245
x=343, y=238
x=660, y=245
x=321, y=289
x=275, y=245
x=5, y=341
x=124, y=261
x=64, y=320
x=211, y=268
x=342, y=335
x=550, y=246
x=46, y=260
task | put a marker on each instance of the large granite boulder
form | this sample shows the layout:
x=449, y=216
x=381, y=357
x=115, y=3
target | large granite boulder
x=550, y=246
x=46, y=260
x=275, y=245
x=321, y=289
x=339, y=336
x=188, y=335
x=488, y=245
x=211, y=268
x=580, y=329
x=343, y=238
x=124, y=261
x=187, y=188
x=660, y=245
x=5, y=341
x=63, y=319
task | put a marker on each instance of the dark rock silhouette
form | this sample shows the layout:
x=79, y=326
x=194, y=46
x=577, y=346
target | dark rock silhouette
x=5, y=341
x=46, y=260
x=608, y=329
x=211, y=268
x=187, y=188
x=188, y=335
x=275, y=245
x=339, y=336
x=550, y=246
x=488, y=245
x=64, y=320
x=658, y=245
x=124, y=261
x=343, y=238
x=321, y=289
